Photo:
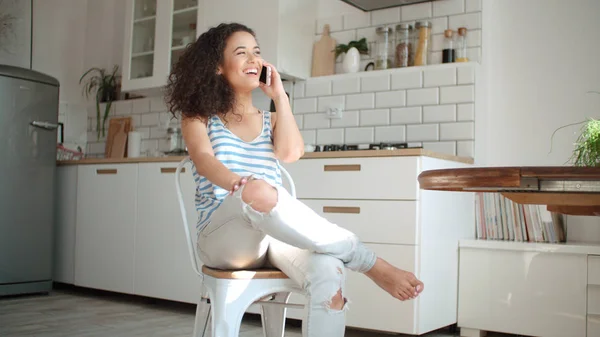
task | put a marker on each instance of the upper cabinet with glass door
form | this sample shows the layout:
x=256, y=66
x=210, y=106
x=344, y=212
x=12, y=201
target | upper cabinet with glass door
x=156, y=33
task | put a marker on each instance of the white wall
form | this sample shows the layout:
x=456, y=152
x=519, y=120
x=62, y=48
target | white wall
x=540, y=57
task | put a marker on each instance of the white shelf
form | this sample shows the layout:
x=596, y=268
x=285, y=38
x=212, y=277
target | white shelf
x=145, y=19
x=180, y=47
x=560, y=248
x=185, y=10
x=405, y=70
x=146, y=53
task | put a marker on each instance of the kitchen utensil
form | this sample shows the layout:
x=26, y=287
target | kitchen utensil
x=323, y=62
x=115, y=126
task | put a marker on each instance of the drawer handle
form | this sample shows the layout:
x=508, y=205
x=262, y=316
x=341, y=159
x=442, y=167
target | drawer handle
x=171, y=169
x=341, y=209
x=106, y=171
x=347, y=167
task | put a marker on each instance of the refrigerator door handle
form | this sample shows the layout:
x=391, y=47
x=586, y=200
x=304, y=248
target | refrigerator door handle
x=45, y=125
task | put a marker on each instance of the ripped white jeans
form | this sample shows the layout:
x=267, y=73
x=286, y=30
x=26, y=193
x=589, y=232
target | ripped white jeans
x=293, y=238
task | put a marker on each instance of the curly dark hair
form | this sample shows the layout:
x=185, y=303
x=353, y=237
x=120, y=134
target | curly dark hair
x=194, y=89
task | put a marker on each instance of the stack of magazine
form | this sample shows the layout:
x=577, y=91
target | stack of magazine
x=499, y=218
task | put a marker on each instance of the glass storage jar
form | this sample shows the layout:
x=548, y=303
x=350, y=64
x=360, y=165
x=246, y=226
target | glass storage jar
x=383, y=47
x=403, y=53
x=422, y=43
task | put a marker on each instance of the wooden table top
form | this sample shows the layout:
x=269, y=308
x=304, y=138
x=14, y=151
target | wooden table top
x=565, y=189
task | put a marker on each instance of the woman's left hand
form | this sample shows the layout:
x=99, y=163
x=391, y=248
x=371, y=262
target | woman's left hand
x=275, y=90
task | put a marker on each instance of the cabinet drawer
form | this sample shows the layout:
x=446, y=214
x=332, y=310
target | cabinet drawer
x=374, y=221
x=593, y=300
x=594, y=269
x=356, y=178
x=366, y=297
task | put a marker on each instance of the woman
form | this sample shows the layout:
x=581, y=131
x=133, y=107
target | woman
x=246, y=218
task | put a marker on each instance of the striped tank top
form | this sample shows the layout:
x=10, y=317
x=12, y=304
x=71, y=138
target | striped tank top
x=243, y=158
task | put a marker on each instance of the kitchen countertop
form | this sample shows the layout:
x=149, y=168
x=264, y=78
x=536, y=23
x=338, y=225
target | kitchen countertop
x=307, y=155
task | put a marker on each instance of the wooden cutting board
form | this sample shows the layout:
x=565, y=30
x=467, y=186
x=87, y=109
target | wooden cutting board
x=116, y=140
x=323, y=62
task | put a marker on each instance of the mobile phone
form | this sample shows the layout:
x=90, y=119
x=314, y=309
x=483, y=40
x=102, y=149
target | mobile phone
x=265, y=75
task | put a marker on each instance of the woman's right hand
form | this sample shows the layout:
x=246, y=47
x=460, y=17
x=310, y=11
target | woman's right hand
x=238, y=184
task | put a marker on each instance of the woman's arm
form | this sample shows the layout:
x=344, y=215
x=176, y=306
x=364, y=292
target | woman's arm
x=287, y=140
x=203, y=156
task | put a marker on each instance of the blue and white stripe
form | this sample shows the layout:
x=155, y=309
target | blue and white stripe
x=244, y=158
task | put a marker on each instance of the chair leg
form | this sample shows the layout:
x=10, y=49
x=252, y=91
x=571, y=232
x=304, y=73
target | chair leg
x=226, y=314
x=273, y=317
x=202, y=318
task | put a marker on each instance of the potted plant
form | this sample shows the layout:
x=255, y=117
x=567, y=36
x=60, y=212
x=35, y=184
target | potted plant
x=353, y=50
x=103, y=86
x=587, y=146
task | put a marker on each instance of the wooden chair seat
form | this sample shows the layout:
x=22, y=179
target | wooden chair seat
x=247, y=274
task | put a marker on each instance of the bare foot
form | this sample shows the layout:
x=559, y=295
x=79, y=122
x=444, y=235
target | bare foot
x=401, y=284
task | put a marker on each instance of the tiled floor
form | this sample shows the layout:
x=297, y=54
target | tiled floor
x=73, y=312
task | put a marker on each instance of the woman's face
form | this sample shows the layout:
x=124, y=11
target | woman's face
x=242, y=62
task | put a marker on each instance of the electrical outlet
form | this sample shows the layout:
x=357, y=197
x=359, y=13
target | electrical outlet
x=334, y=112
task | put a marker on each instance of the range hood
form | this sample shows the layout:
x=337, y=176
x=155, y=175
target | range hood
x=371, y=5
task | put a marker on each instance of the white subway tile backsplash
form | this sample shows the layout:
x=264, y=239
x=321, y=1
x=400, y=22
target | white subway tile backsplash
x=136, y=120
x=441, y=147
x=406, y=115
x=437, y=42
x=439, y=113
x=346, y=86
x=299, y=119
x=150, y=119
x=422, y=96
x=375, y=83
x=408, y=80
x=318, y=88
x=359, y=135
x=309, y=136
x=465, y=149
x=439, y=25
x=145, y=131
x=395, y=133
x=457, y=131
x=316, y=121
x=469, y=20
x=141, y=105
x=335, y=24
x=344, y=36
x=473, y=5
x=96, y=147
x=157, y=132
x=448, y=7
x=474, y=54
x=466, y=112
x=158, y=104
x=349, y=118
x=459, y=94
x=439, y=77
x=360, y=101
x=385, y=16
x=474, y=38
x=123, y=107
x=466, y=75
x=331, y=101
x=416, y=11
x=374, y=117
x=305, y=105
x=148, y=146
x=299, y=89
x=357, y=20
x=368, y=33
x=330, y=136
x=422, y=132
x=390, y=99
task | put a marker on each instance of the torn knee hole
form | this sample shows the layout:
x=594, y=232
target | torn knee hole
x=337, y=302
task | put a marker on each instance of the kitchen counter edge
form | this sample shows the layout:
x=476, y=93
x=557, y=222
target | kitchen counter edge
x=308, y=155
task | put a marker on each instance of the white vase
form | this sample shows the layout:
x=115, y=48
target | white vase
x=351, y=62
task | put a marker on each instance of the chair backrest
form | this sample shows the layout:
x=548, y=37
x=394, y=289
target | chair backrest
x=188, y=235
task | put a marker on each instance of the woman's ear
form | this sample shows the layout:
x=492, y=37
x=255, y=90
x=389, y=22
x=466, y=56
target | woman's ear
x=219, y=70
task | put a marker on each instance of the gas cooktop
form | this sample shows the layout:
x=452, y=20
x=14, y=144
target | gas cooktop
x=358, y=147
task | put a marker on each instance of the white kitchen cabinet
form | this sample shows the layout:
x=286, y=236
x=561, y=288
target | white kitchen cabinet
x=64, y=224
x=284, y=29
x=162, y=263
x=156, y=33
x=106, y=217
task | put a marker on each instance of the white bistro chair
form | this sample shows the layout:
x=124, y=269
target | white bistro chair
x=231, y=292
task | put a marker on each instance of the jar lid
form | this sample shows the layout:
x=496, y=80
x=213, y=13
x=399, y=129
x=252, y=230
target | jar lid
x=381, y=30
x=448, y=33
x=421, y=24
x=462, y=31
x=403, y=26
x=172, y=130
